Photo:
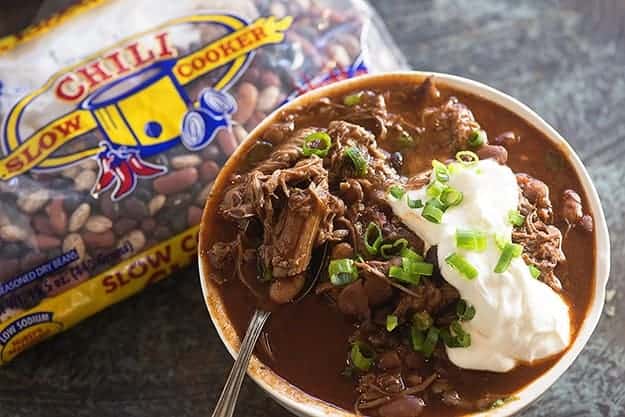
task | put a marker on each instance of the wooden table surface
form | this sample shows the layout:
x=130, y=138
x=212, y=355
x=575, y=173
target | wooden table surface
x=157, y=354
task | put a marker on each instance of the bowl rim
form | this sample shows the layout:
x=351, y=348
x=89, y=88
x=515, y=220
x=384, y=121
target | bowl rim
x=304, y=404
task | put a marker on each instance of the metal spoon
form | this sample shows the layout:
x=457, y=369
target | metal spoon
x=230, y=393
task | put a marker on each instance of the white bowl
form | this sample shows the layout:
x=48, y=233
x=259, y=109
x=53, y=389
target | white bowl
x=305, y=405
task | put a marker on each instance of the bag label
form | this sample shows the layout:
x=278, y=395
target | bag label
x=132, y=96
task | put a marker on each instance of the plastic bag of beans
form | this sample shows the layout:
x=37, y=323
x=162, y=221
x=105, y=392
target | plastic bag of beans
x=116, y=117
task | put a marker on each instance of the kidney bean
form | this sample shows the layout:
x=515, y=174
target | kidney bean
x=342, y=250
x=124, y=225
x=57, y=216
x=227, y=141
x=353, y=300
x=46, y=242
x=135, y=208
x=101, y=240
x=148, y=224
x=208, y=171
x=185, y=161
x=247, y=96
x=269, y=78
x=571, y=206
x=496, y=152
x=194, y=214
x=176, y=181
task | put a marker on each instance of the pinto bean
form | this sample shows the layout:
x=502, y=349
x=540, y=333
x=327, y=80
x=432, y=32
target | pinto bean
x=282, y=291
x=496, y=152
x=571, y=206
x=342, y=250
x=535, y=190
x=378, y=290
x=405, y=406
x=586, y=223
x=389, y=360
x=353, y=300
x=507, y=138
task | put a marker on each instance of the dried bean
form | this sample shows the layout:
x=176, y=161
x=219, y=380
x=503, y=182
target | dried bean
x=85, y=180
x=135, y=208
x=109, y=208
x=136, y=239
x=162, y=232
x=42, y=224
x=269, y=78
x=47, y=242
x=79, y=217
x=11, y=250
x=194, y=215
x=185, y=161
x=58, y=218
x=247, y=96
x=31, y=202
x=268, y=98
x=227, y=141
x=209, y=171
x=176, y=181
x=211, y=152
x=99, y=240
x=13, y=233
x=74, y=241
x=124, y=225
x=148, y=224
x=203, y=195
x=156, y=204
x=98, y=224
x=142, y=194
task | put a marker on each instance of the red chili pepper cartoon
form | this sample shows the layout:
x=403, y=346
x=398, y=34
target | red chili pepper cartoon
x=122, y=167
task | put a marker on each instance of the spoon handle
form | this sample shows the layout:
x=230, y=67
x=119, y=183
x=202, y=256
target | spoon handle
x=228, y=399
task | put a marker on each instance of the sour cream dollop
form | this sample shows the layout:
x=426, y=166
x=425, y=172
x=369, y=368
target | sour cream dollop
x=518, y=318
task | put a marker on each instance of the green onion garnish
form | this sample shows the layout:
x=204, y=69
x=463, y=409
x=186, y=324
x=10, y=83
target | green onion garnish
x=535, y=272
x=352, y=99
x=388, y=250
x=455, y=336
x=417, y=267
x=404, y=275
x=410, y=254
x=435, y=189
x=433, y=211
x=509, y=251
x=391, y=322
x=454, y=167
x=422, y=320
x=477, y=138
x=417, y=337
x=431, y=339
x=362, y=356
x=467, y=158
x=396, y=191
x=460, y=264
x=359, y=162
x=342, y=271
x=451, y=197
x=373, y=238
x=500, y=241
x=441, y=173
x=317, y=143
x=464, y=310
x=471, y=240
x=414, y=204
x=516, y=218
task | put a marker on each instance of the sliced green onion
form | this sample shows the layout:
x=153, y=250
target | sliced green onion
x=391, y=322
x=410, y=254
x=417, y=267
x=359, y=162
x=477, y=138
x=500, y=241
x=388, y=250
x=417, y=337
x=431, y=339
x=441, y=173
x=435, y=189
x=317, y=143
x=451, y=197
x=342, y=271
x=362, y=356
x=516, y=218
x=473, y=240
x=460, y=264
x=352, y=99
x=373, y=238
x=414, y=204
x=467, y=158
x=535, y=272
x=464, y=310
x=433, y=211
x=509, y=251
x=396, y=191
x=422, y=320
x=403, y=275
x=462, y=338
